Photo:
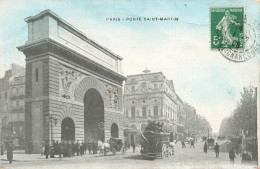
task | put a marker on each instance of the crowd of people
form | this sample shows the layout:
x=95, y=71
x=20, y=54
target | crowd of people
x=68, y=148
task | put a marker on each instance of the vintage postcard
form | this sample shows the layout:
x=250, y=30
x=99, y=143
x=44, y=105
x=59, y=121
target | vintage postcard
x=129, y=84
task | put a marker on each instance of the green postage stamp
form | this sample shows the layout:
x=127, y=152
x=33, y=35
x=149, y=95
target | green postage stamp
x=227, y=27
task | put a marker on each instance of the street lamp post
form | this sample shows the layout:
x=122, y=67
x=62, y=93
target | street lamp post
x=101, y=128
x=50, y=119
x=208, y=132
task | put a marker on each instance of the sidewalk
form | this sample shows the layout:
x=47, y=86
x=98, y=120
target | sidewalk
x=20, y=156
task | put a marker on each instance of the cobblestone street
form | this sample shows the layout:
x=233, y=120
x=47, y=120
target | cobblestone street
x=184, y=158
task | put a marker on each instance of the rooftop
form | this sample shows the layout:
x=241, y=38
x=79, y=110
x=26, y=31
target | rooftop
x=56, y=17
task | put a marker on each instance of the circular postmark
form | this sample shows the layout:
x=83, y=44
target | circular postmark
x=251, y=45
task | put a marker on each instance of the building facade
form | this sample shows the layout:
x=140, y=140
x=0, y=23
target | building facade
x=151, y=96
x=12, y=94
x=73, y=84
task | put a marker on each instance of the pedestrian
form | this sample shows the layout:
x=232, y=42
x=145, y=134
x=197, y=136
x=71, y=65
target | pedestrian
x=84, y=147
x=89, y=147
x=59, y=149
x=73, y=148
x=192, y=143
x=10, y=152
x=56, y=148
x=133, y=147
x=93, y=146
x=52, y=151
x=232, y=155
x=42, y=146
x=205, y=147
x=77, y=148
x=183, y=144
x=216, y=148
x=30, y=147
x=47, y=149
x=2, y=148
x=69, y=151
x=81, y=148
x=63, y=148
x=96, y=146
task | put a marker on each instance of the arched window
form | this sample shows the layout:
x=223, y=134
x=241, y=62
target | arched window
x=114, y=130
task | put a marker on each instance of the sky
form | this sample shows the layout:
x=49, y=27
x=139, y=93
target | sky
x=180, y=49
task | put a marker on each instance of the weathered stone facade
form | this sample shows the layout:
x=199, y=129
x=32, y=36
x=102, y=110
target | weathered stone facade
x=12, y=88
x=62, y=64
x=151, y=96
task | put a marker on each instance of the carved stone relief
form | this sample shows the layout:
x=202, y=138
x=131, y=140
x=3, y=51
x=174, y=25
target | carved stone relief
x=113, y=96
x=68, y=81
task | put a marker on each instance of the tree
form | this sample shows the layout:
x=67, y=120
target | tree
x=243, y=117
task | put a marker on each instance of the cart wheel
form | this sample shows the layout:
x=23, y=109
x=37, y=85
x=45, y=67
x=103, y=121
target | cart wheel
x=114, y=151
x=164, y=151
x=123, y=150
x=170, y=151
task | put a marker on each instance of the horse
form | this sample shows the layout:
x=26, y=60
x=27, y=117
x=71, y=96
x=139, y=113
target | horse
x=172, y=145
x=103, y=147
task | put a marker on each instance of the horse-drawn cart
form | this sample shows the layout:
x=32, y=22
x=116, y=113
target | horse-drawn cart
x=114, y=145
x=156, y=145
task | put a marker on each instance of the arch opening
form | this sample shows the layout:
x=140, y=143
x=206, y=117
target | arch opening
x=93, y=116
x=67, y=129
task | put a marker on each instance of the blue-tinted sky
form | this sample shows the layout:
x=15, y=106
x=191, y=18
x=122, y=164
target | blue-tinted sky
x=180, y=49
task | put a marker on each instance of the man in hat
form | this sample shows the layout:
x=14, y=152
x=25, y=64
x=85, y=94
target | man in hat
x=47, y=149
x=10, y=152
x=216, y=148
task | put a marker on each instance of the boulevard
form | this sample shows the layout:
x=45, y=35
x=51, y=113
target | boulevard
x=183, y=158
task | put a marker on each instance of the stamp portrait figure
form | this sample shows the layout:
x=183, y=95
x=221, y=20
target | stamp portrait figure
x=224, y=26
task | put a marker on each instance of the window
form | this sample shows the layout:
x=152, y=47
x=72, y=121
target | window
x=155, y=110
x=155, y=86
x=21, y=104
x=133, y=80
x=143, y=84
x=133, y=112
x=144, y=111
x=17, y=103
x=143, y=101
x=133, y=88
x=36, y=75
x=133, y=102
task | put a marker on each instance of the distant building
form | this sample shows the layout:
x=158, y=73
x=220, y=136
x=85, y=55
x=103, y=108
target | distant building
x=151, y=96
x=12, y=88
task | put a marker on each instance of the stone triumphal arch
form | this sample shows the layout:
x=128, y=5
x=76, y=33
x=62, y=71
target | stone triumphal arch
x=73, y=84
